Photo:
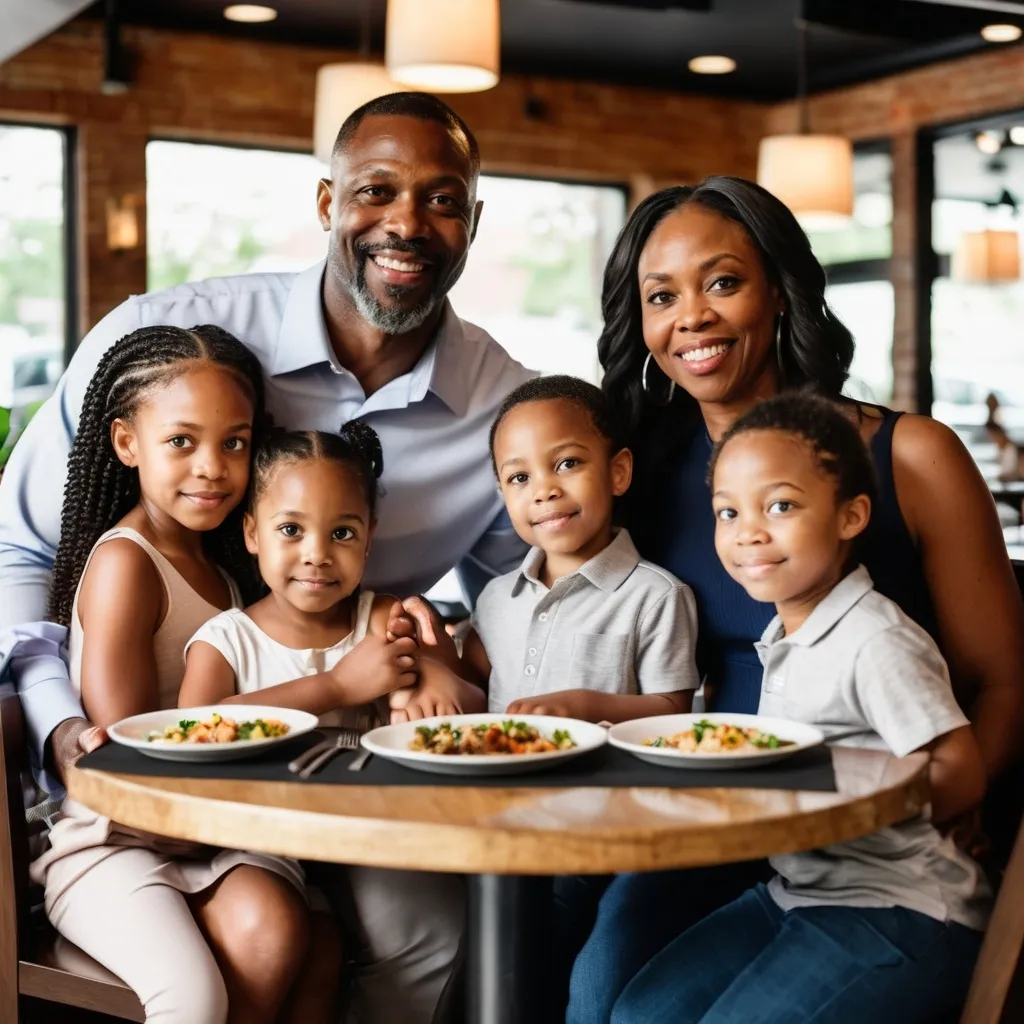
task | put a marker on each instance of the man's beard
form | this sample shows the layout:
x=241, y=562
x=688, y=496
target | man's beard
x=395, y=319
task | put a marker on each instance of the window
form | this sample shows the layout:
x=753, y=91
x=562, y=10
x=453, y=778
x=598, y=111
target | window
x=856, y=260
x=34, y=306
x=977, y=326
x=218, y=210
x=533, y=278
x=977, y=305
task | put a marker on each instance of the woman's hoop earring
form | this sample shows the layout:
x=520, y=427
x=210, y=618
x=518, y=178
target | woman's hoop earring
x=778, y=345
x=643, y=379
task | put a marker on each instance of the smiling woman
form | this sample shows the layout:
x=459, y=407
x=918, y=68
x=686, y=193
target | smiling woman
x=718, y=286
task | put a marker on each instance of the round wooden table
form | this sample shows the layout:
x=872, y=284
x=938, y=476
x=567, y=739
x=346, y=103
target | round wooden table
x=498, y=837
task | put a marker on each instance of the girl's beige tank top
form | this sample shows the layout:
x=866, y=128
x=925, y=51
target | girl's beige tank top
x=186, y=612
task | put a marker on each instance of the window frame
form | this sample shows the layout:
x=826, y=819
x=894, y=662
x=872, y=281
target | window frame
x=69, y=241
x=929, y=264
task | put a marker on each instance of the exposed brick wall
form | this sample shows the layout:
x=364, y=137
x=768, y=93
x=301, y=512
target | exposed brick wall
x=209, y=88
x=204, y=87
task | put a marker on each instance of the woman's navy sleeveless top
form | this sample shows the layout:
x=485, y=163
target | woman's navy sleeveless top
x=677, y=531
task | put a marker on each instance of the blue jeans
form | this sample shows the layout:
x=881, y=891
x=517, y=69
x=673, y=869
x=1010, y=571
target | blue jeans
x=752, y=963
x=636, y=917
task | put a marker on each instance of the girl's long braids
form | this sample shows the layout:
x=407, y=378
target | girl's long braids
x=100, y=490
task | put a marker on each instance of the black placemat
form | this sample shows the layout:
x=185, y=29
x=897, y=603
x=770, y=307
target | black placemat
x=607, y=766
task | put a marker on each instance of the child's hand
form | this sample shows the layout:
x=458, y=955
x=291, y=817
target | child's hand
x=424, y=702
x=417, y=617
x=440, y=692
x=561, y=703
x=398, y=699
x=400, y=623
x=375, y=666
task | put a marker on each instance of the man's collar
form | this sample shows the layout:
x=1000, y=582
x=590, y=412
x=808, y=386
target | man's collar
x=836, y=603
x=303, y=341
x=607, y=570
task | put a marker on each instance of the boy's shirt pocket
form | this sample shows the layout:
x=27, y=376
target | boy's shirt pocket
x=599, y=663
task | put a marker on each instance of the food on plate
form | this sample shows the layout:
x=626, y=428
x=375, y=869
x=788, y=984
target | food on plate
x=508, y=737
x=706, y=737
x=217, y=729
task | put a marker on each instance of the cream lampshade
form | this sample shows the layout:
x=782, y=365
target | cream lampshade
x=444, y=45
x=811, y=174
x=340, y=89
x=985, y=257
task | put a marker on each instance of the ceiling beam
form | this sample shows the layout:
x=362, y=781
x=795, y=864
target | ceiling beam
x=995, y=6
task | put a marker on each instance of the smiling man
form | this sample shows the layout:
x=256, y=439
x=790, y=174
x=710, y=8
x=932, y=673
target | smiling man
x=366, y=334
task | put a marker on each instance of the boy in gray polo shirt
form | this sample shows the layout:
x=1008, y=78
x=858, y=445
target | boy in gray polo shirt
x=585, y=628
x=884, y=928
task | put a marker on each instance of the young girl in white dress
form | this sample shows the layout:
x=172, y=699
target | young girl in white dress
x=150, y=539
x=317, y=642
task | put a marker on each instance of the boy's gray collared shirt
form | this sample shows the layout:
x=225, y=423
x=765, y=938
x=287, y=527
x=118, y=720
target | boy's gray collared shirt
x=617, y=625
x=859, y=662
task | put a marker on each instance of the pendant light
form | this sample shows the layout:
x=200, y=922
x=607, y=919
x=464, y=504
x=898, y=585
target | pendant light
x=811, y=174
x=992, y=255
x=444, y=45
x=987, y=257
x=342, y=88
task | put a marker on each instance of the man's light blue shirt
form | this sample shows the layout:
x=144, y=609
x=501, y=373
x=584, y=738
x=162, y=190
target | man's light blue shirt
x=440, y=508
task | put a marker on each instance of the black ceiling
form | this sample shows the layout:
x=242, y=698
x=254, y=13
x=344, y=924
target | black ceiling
x=648, y=42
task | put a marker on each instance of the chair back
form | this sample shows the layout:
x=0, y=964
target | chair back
x=14, y=858
x=997, y=985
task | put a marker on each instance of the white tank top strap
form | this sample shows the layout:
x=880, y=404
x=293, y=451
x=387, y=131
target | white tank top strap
x=236, y=594
x=363, y=610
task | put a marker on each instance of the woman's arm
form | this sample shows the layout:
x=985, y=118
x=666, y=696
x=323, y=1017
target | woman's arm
x=121, y=605
x=951, y=516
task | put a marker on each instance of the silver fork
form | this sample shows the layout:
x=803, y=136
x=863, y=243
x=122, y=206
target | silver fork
x=347, y=739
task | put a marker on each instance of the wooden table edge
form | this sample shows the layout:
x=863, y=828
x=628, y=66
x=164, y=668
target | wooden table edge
x=487, y=848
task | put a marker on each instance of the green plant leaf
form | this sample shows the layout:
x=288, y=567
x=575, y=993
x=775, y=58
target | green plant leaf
x=5, y=425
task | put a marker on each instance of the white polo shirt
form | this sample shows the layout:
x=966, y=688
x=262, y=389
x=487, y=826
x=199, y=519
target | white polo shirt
x=617, y=625
x=859, y=662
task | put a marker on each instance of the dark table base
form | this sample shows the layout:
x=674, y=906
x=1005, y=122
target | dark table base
x=506, y=964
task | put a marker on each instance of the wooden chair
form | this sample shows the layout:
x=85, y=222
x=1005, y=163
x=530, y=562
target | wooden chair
x=997, y=987
x=33, y=960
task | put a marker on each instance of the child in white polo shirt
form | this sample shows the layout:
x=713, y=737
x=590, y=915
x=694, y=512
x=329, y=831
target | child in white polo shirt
x=585, y=628
x=884, y=928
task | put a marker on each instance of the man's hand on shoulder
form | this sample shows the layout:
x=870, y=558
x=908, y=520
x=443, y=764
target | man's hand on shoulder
x=70, y=740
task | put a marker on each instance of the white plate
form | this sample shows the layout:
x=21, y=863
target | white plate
x=132, y=732
x=392, y=742
x=630, y=736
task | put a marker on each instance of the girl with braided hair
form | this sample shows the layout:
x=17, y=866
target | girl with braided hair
x=150, y=549
x=317, y=642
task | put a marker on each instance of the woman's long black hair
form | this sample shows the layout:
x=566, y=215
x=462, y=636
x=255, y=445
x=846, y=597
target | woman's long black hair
x=100, y=489
x=816, y=348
